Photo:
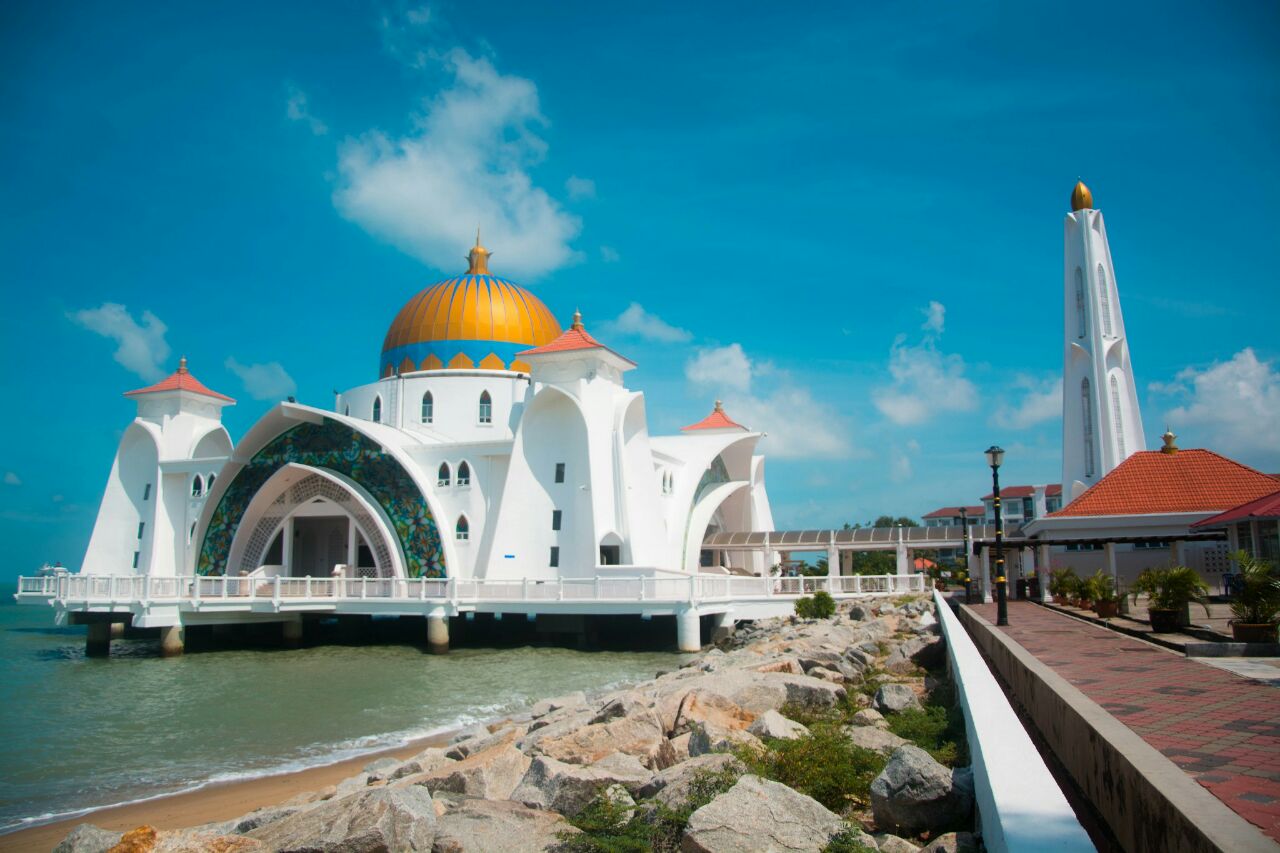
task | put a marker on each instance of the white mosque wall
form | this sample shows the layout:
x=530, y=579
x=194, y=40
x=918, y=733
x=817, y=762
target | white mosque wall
x=455, y=403
x=128, y=500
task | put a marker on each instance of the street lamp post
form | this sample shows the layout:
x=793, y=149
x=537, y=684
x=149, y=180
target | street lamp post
x=995, y=455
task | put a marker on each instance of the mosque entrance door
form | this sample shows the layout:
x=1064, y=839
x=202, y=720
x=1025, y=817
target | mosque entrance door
x=319, y=544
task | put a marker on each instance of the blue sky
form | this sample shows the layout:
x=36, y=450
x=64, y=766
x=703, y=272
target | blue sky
x=844, y=219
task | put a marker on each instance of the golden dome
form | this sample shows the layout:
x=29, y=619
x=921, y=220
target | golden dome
x=477, y=320
x=1081, y=197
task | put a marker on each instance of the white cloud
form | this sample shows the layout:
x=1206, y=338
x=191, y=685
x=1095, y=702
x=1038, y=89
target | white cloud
x=464, y=164
x=798, y=425
x=297, y=109
x=640, y=323
x=267, y=381
x=721, y=367
x=141, y=347
x=1041, y=401
x=609, y=255
x=926, y=382
x=580, y=187
x=1231, y=407
x=935, y=317
x=12, y=479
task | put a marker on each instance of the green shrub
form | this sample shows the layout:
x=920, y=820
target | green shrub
x=818, y=606
x=823, y=764
x=846, y=841
x=1258, y=602
x=937, y=728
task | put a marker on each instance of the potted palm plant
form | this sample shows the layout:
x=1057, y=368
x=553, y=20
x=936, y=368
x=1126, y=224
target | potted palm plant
x=1170, y=592
x=1256, y=607
x=1062, y=584
x=1102, y=589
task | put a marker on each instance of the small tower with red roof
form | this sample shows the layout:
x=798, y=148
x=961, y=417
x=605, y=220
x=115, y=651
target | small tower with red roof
x=165, y=469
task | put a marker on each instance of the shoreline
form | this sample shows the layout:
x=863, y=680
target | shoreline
x=214, y=801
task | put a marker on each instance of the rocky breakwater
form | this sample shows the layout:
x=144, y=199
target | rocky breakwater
x=795, y=735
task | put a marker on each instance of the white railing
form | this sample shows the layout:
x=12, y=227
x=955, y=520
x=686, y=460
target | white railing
x=246, y=589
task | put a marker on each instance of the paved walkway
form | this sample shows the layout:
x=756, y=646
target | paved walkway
x=1221, y=728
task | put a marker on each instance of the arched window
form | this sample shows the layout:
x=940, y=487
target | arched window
x=346, y=410
x=428, y=408
x=1086, y=409
x=377, y=410
x=1117, y=423
x=486, y=408
x=463, y=530
x=191, y=535
x=197, y=487
x=442, y=478
x=1104, y=296
x=1082, y=314
x=464, y=474
x=208, y=484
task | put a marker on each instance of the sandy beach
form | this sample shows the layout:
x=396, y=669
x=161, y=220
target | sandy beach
x=216, y=802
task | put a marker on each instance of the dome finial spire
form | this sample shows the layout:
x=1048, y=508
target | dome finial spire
x=577, y=320
x=182, y=365
x=1081, y=197
x=478, y=258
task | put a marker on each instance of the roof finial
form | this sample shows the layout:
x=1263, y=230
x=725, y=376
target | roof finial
x=577, y=321
x=1169, y=437
x=182, y=365
x=478, y=258
x=719, y=407
x=1081, y=197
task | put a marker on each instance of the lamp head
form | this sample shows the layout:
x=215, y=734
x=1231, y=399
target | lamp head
x=995, y=455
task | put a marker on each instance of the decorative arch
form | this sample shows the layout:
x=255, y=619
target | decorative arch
x=197, y=486
x=1082, y=310
x=1104, y=297
x=428, y=408
x=334, y=447
x=462, y=529
x=377, y=409
x=1086, y=408
x=486, y=408
x=442, y=475
x=464, y=473
x=1117, y=421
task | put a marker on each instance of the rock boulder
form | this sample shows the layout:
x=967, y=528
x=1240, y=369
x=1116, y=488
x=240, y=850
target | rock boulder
x=895, y=697
x=915, y=793
x=87, y=838
x=774, y=725
x=491, y=774
x=375, y=820
x=755, y=816
x=488, y=825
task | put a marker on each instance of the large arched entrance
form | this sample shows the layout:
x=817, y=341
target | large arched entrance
x=308, y=522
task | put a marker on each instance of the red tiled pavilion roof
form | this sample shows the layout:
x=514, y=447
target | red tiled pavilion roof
x=1267, y=506
x=576, y=337
x=180, y=380
x=1156, y=481
x=716, y=420
x=954, y=511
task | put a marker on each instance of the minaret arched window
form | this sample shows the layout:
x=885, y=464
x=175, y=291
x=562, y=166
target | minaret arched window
x=462, y=531
x=1117, y=423
x=442, y=476
x=486, y=408
x=377, y=410
x=1082, y=313
x=197, y=486
x=1104, y=296
x=428, y=408
x=464, y=474
x=1086, y=410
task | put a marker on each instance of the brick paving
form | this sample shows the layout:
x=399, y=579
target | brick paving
x=1219, y=727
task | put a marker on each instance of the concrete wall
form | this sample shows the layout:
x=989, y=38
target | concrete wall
x=1146, y=799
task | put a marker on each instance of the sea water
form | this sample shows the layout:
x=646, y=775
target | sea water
x=80, y=733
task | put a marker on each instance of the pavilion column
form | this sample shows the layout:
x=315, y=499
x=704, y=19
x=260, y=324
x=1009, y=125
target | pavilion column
x=721, y=627
x=833, y=561
x=1179, y=549
x=904, y=559
x=1045, y=565
x=1109, y=552
x=986, y=576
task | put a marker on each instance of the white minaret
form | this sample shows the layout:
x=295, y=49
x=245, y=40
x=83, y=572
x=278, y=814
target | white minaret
x=1101, y=424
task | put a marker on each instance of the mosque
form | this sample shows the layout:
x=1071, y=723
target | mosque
x=495, y=445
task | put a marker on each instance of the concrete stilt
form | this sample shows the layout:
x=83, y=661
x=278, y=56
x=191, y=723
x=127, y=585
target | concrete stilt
x=291, y=632
x=721, y=627
x=98, y=643
x=688, y=630
x=117, y=630
x=172, y=641
x=438, y=634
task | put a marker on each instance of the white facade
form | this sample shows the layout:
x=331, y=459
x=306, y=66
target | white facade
x=1101, y=423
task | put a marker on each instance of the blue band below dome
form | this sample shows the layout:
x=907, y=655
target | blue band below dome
x=446, y=351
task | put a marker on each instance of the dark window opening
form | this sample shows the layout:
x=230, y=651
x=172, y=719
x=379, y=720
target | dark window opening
x=555, y=519
x=559, y=472
x=555, y=556
x=610, y=555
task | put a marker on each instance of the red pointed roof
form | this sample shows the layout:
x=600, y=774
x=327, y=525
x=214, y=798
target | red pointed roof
x=180, y=380
x=716, y=420
x=954, y=511
x=1171, y=480
x=1265, y=507
x=576, y=337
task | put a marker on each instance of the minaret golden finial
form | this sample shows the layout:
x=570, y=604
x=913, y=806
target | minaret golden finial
x=577, y=321
x=1169, y=438
x=182, y=364
x=1081, y=198
x=719, y=407
x=478, y=258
